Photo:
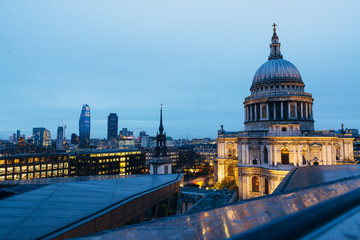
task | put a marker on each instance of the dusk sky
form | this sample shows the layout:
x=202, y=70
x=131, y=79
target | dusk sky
x=197, y=58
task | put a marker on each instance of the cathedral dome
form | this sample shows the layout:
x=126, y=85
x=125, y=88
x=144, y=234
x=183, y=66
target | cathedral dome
x=277, y=70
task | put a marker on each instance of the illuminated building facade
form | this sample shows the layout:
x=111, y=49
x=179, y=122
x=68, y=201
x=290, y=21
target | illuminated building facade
x=172, y=152
x=112, y=127
x=279, y=132
x=32, y=166
x=107, y=162
x=84, y=127
x=77, y=163
x=41, y=138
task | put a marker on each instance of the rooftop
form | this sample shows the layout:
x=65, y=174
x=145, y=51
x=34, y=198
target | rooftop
x=62, y=204
x=295, y=213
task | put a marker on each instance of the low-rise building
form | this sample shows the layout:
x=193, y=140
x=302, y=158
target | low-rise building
x=31, y=166
x=107, y=162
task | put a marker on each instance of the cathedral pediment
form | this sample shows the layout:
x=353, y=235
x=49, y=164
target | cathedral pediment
x=315, y=146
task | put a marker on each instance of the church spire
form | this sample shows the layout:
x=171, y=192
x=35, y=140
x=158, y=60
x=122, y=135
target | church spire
x=161, y=128
x=275, y=45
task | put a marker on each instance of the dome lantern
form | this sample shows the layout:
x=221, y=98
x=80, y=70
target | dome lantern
x=275, y=46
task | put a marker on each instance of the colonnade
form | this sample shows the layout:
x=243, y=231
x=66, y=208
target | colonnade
x=279, y=110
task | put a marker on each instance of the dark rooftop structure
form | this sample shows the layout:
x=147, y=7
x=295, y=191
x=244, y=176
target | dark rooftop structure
x=206, y=199
x=325, y=207
x=69, y=207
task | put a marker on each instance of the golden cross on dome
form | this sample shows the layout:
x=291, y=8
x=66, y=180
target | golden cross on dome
x=274, y=25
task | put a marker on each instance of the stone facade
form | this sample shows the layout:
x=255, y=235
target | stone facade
x=279, y=132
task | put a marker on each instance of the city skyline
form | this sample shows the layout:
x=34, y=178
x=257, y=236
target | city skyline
x=198, y=59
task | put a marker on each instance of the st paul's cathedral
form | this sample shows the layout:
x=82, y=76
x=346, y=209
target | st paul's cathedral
x=279, y=131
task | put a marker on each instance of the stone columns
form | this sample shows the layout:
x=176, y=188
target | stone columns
x=247, y=157
x=282, y=109
x=307, y=110
x=323, y=149
x=261, y=113
x=302, y=110
x=274, y=158
x=270, y=154
x=289, y=110
x=329, y=155
x=255, y=107
x=267, y=111
x=346, y=151
x=296, y=112
x=243, y=153
x=239, y=154
x=251, y=112
x=274, y=110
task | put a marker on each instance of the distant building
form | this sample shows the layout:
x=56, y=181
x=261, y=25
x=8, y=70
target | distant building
x=41, y=138
x=112, y=127
x=124, y=132
x=60, y=138
x=74, y=139
x=84, y=127
x=145, y=141
x=160, y=163
x=126, y=143
x=76, y=163
x=17, y=136
x=31, y=166
x=107, y=162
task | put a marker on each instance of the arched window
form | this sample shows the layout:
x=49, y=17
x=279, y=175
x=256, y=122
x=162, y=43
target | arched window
x=266, y=186
x=266, y=160
x=255, y=184
x=285, y=156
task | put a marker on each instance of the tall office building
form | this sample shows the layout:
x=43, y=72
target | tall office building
x=41, y=137
x=84, y=127
x=112, y=127
x=60, y=138
x=17, y=136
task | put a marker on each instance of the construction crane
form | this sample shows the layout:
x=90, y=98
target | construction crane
x=64, y=126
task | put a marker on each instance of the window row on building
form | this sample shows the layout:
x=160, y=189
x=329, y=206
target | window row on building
x=78, y=163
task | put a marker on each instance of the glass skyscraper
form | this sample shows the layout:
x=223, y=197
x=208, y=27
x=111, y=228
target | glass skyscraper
x=112, y=127
x=84, y=127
